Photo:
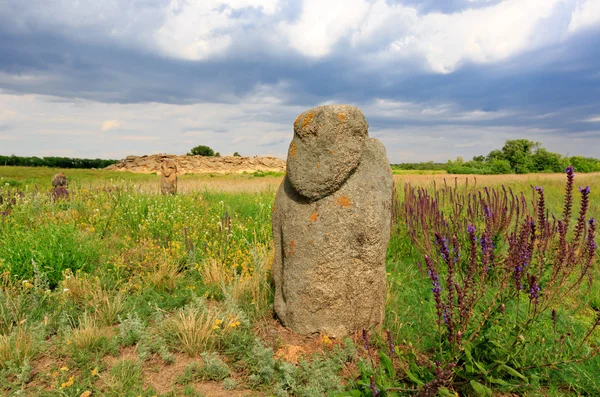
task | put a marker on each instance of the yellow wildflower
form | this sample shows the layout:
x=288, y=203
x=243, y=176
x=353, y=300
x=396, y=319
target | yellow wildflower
x=68, y=383
x=327, y=340
x=86, y=393
x=64, y=368
x=234, y=324
x=95, y=371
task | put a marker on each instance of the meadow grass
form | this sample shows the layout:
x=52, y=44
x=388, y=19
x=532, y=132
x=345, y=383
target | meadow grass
x=117, y=285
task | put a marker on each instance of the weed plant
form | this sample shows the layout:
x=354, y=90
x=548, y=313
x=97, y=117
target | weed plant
x=510, y=286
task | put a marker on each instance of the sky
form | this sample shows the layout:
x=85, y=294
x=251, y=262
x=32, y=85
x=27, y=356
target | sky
x=436, y=79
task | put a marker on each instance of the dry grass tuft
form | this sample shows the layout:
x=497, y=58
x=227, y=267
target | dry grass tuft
x=78, y=288
x=194, y=329
x=86, y=291
x=215, y=274
x=254, y=288
x=89, y=335
x=107, y=306
x=17, y=347
x=164, y=276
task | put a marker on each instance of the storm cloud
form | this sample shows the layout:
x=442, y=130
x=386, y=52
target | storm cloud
x=436, y=79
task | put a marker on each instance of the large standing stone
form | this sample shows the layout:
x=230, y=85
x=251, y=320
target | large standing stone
x=168, y=178
x=331, y=225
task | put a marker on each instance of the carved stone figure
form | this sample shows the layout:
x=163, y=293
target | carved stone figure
x=168, y=178
x=61, y=180
x=331, y=225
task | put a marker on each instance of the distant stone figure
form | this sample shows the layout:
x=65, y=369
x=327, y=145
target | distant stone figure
x=60, y=180
x=331, y=225
x=168, y=178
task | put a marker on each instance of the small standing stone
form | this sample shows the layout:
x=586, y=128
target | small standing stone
x=168, y=178
x=60, y=180
x=331, y=225
x=60, y=183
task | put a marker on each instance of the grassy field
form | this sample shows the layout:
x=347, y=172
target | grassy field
x=120, y=291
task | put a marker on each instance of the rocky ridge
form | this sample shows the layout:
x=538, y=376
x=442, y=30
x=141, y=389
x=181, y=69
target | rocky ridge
x=199, y=164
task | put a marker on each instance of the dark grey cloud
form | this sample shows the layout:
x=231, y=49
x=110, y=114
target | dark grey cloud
x=552, y=87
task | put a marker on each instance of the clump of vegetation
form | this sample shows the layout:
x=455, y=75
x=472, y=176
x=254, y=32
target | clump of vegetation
x=518, y=156
x=506, y=280
x=103, y=291
x=202, y=150
x=55, y=162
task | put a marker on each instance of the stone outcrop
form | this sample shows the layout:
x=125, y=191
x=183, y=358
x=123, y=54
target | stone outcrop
x=168, y=177
x=331, y=225
x=199, y=164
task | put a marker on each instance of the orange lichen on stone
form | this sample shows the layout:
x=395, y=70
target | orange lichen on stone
x=307, y=119
x=310, y=241
x=293, y=149
x=297, y=119
x=291, y=251
x=331, y=151
x=314, y=217
x=344, y=201
x=341, y=117
x=318, y=165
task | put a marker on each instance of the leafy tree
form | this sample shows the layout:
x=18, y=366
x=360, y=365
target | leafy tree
x=55, y=162
x=236, y=154
x=494, y=155
x=519, y=154
x=500, y=167
x=545, y=161
x=201, y=150
x=585, y=164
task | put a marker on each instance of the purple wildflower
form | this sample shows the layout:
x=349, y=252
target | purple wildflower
x=365, y=339
x=373, y=387
x=437, y=290
x=391, y=345
x=534, y=289
x=568, y=195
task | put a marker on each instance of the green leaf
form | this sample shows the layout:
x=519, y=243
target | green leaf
x=513, y=372
x=443, y=392
x=387, y=365
x=481, y=390
x=413, y=378
x=497, y=381
x=349, y=393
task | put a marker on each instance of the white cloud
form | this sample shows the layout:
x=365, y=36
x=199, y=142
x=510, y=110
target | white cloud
x=108, y=125
x=322, y=24
x=430, y=111
x=202, y=29
x=587, y=14
x=593, y=120
x=375, y=30
x=445, y=41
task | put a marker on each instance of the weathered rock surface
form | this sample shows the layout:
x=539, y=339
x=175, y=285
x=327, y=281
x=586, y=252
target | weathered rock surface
x=327, y=146
x=199, y=164
x=168, y=177
x=331, y=225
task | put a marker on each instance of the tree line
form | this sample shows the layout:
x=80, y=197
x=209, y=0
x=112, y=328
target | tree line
x=518, y=156
x=55, y=162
